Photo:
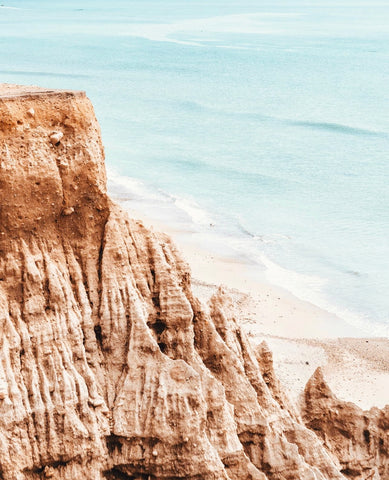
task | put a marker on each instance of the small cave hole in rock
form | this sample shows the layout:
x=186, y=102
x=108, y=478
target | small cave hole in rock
x=99, y=336
x=116, y=474
x=366, y=435
x=114, y=443
x=156, y=302
x=40, y=470
x=57, y=144
x=162, y=346
x=158, y=327
x=349, y=472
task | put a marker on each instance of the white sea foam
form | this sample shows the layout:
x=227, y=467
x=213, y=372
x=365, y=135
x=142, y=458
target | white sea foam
x=133, y=187
x=302, y=285
x=271, y=238
x=253, y=23
x=310, y=288
x=197, y=214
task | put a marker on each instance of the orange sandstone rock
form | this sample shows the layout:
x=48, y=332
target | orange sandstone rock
x=359, y=439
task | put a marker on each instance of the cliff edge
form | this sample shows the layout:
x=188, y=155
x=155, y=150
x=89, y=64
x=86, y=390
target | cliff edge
x=110, y=368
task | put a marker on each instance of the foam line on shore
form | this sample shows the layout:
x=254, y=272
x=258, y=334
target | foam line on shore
x=309, y=288
x=194, y=225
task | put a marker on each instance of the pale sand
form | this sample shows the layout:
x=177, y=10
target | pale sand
x=301, y=335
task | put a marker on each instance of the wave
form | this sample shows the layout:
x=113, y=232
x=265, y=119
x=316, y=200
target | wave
x=198, y=215
x=250, y=249
x=233, y=174
x=249, y=23
x=129, y=188
x=270, y=238
x=334, y=127
x=302, y=284
x=273, y=238
x=327, y=126
x=338, y=128
x=310, y=288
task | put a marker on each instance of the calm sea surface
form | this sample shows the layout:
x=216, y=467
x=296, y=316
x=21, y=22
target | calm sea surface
x=262, y=127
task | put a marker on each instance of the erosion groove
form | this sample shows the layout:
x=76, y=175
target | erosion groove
x=110, y=368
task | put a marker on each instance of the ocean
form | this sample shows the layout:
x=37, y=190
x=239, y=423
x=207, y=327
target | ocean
x=261, y=128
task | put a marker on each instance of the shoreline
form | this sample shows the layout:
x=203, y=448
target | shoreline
x=301, y=335
x=206, y=239
x=274, y=310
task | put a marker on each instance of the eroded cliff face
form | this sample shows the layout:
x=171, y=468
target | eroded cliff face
x=358, y=438
x=109, y=366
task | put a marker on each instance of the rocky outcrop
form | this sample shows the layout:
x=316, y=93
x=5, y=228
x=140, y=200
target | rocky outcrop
x=360, y=439
x=109, y=366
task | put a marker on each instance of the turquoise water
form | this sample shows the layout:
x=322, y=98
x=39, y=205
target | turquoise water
x=261, y=128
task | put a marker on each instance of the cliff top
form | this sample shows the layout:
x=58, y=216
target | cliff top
x=9, y=91
x=43, y=174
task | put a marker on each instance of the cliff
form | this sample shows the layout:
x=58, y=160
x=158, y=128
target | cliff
x=110, y=368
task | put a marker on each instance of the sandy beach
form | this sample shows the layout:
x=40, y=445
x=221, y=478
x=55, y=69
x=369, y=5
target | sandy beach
x=301, y=335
